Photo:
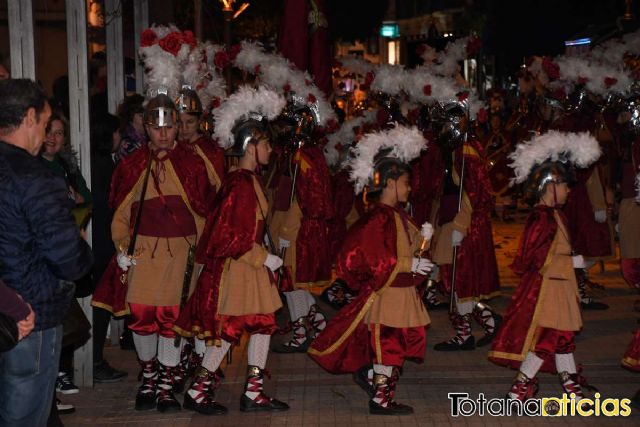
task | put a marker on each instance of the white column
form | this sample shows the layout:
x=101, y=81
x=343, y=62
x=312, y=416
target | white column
x=115, y=55
x=76, y=11
x=23, y=64
x=141, y=23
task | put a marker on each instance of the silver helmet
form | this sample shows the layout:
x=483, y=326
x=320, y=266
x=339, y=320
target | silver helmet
x=160, y=111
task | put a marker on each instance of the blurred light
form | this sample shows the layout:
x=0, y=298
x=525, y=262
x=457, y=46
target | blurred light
x=390, y=30
x=578, y=42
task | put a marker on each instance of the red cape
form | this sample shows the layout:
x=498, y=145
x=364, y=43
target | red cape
x=367, y=262
x=477, y=268
x=314, y=196
x=427, y=177
x=110, y=293
x=515, y=336
x=343, y=199
x=228, y=233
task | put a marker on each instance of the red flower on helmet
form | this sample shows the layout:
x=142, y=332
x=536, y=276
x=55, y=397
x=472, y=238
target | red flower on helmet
x=221, y=59
x=257, y=69
x=189, y=38
x=311, y=98
x=287, y=87
x=462, y=96
x=426, y=89
x=610, y=81
x=171, y=43
x=368, y=79
x=233, y=52
x=582, y=80
x=148, y=38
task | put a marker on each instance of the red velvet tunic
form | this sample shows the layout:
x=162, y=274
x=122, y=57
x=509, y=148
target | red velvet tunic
x=517, y=335
x=231, y=231
x=213, y=157
x=110, y=293
x=631, y=359
x=368, y=261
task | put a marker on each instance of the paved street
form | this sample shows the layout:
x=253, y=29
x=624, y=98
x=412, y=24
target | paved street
x=318, y=398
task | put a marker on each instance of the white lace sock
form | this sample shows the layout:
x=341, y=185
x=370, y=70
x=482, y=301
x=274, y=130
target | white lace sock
x=465, y=307
x=299, y=303
x=146, y=346
x=531, y=365
x=168, y=354
x=200, y=347
x=566, y=363
x=258, y=350
x=214, y=356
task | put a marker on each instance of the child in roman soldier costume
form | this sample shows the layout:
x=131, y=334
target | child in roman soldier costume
x=189, y=123
x=382, y=258
x=543, y=318
x=464, y=223
x=236, y=292
x=303, y=206
x=159, y=196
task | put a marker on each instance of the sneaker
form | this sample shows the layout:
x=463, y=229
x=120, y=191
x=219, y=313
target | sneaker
x=105, y=373
x=64, y=408
x=64, y=384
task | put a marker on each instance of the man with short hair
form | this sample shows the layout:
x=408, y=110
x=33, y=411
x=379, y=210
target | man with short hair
x=41, y=250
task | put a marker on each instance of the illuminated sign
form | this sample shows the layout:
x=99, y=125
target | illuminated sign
x=389, y=30
x=577, y=42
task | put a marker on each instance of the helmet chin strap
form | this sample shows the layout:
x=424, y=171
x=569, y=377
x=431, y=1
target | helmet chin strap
x=258, y=169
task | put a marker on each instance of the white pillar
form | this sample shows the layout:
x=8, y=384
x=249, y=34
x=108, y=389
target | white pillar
x=141, y=23
x=23, y=64
x=115, y=54
x=76, y=11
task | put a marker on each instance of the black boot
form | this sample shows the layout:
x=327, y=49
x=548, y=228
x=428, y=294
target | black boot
x=429, y=298
x=337, y=295
x=489, y=320
x=200, y=395
x=383, y=402
x=361, y=377
x=262, y=402
x=463, y=340
x=586, y=302
x=166, y=400
x=146, y=397
x=316, y=320
x=299, y=342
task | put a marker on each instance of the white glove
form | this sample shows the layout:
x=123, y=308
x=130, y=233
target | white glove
x=421, y=266
x=284, y=243
x=601, y=216
x=456, y=238
x=125, y=261
x=273, y=262
x=427, y=230
x=578, y=261
x=617, y=227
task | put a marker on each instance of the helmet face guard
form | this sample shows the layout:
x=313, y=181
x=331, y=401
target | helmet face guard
x=450, y=126
x=160, y=111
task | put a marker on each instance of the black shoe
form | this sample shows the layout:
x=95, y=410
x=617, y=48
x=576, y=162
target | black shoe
x=593, y=305
x=288, y=349
x=438, y=305
x=361, y=377
x=487, y=338
x=453, y=345
x=145, y=402
x=105, y=373
x=206, y=407
x=269, y=404
x=394, y=408
x=168, y=404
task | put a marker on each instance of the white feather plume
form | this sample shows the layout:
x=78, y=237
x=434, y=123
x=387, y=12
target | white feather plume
x=277, y=72
x=581, y=149
x=163, y=70
x=389, y=79
x=406, y=144
x=345, y=136
x=356, y=65
x=245, y=100
x=163, y=30
x=572, y=69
